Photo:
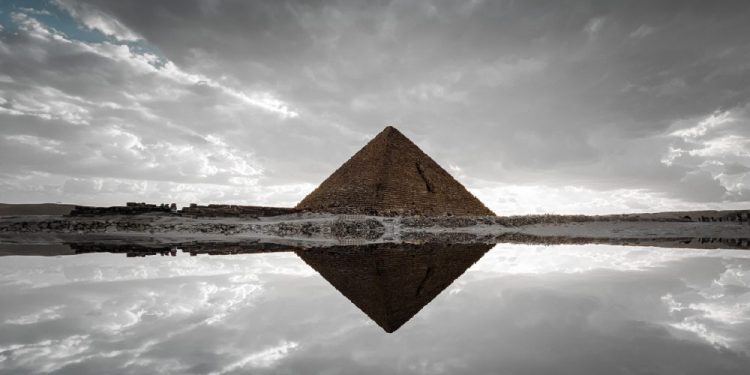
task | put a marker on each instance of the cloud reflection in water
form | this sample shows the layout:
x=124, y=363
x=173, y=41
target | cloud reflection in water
x=519, y=309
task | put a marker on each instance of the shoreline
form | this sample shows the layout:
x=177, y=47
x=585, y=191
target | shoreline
x=318, y=229
x=227, y=210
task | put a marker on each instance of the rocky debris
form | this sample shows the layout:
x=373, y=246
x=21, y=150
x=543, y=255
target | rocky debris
x=292, y=229
x=59, y=226
x=421, y=222
x=539, y=229
x=518, y=221
x=738, y=216
x=445, y=237
x=137, y=224
x=369, y=229
x=446, y=221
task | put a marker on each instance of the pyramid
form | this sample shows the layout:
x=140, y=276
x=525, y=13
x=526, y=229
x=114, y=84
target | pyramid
x=391, y=283
x=392, y=176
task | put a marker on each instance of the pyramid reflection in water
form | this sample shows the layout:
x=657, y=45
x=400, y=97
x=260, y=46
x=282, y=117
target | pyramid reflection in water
x=392, y=282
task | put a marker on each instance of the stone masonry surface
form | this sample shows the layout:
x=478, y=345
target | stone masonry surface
x=392, y=176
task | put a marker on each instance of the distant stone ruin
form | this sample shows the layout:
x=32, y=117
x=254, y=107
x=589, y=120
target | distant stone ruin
x=194, y=210
x=131, y=208
x=392, y=176
x=228, y=210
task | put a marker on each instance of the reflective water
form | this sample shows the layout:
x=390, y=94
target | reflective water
x=463, y=309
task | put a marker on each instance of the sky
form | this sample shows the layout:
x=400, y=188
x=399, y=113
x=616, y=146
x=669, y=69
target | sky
x=535, y=106
x=533, y=310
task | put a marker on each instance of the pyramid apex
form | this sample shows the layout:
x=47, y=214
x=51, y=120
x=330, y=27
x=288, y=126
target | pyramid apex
x=390, y=175
x=390, y=129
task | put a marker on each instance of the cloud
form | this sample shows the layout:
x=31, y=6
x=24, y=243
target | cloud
x=71, y=134
x=264, y=358
x=642, y=31
x=571, y=309
x=595, y=25
x=49, y=313
x=736, y=168
x=158, y=301
x=716, y=150
x=97, y=20
x=553, y=95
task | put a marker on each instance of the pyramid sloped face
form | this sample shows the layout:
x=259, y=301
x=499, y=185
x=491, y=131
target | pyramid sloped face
x=392, y=282
x=392, y=176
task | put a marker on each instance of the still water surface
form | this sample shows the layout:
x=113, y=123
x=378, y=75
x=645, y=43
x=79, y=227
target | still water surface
x=511, y=309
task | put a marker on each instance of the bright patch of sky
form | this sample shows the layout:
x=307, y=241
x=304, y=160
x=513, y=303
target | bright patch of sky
x=60, y=18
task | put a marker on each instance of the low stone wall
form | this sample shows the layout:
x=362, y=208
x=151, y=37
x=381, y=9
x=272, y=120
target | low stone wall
x=219, y=210
x=194, y=210
x=130, y=208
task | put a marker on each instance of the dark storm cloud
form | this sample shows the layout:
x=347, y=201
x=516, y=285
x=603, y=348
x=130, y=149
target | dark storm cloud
x=511, y=93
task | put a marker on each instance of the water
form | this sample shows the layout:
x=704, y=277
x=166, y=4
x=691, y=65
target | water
x=465, y=309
